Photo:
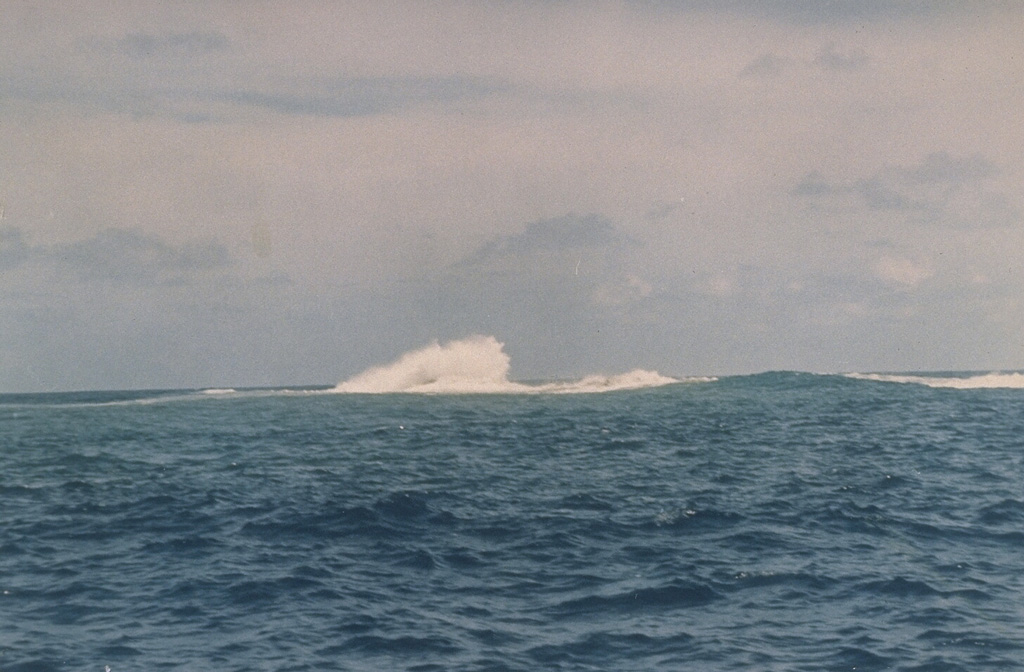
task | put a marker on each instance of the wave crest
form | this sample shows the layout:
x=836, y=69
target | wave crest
x=475, y=365
x=983, y=381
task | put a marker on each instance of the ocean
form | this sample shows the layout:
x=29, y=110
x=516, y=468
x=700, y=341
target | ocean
x=778, y=521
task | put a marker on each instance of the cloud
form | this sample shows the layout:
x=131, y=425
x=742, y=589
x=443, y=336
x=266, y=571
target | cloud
x=878, y=193
x=565, y=279
x=621, y=291
x=662, y=210
x=942, y=168
x=361, y=96
x=829, y=58
x=571, y=263
x=13, y=249
x=579, y=263
x=149, y=45
x=212, y=75
x=395, y=172
x=150, y=93
x=121, y=308
x=941, y=190
x=814, y=184
x=569, y=233
x=902, y=271
x=817, y=12
x=125, y=255
x=892, y=310
x=765, y=66
x=118, y=256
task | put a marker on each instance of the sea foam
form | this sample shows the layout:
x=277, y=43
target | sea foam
x=982, y=381
x=479, y=365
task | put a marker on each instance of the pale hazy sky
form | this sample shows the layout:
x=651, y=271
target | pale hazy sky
x=259, y=193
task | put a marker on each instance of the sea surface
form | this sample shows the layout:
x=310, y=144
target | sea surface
x=779, y=521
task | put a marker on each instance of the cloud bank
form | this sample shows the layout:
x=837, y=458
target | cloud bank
x=222, y=195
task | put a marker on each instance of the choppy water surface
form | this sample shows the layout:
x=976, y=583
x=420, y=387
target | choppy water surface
x=770, y=522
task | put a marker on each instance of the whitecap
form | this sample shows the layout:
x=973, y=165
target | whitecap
x=479, y=365
x=1014, y=380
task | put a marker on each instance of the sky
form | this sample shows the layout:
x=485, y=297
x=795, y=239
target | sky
x=233, y=193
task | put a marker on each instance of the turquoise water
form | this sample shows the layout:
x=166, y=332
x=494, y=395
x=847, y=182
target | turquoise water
x=780, y=521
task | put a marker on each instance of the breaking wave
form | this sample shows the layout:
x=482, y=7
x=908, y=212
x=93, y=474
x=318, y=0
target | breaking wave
x=982, y=381
x=479, y=364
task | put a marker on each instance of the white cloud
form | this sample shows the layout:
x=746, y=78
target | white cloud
x=621, y=291
x=902, y=271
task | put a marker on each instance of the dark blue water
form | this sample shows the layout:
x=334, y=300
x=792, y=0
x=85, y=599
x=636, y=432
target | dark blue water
x=770, y=522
